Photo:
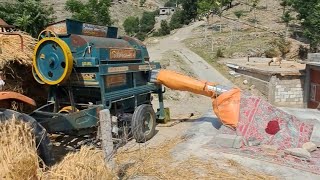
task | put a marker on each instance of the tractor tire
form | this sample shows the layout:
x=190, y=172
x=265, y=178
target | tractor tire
x=143, y=123
x=42, y=140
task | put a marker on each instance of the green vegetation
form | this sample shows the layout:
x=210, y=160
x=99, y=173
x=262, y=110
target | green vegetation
x=28, y=15
x=164, y=30
x=147, y=22
x=131, y=25
x=140, y=28
x=309, y=13
x=142, y=2
x=177, y=20
x=94, y=11
x=279, y=47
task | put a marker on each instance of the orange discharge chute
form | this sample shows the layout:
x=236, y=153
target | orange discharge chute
x=226, y=105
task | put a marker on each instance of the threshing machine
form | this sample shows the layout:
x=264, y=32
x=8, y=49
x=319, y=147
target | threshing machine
x=88, y=68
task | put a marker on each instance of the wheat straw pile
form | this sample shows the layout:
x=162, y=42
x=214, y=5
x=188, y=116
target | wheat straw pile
x=19, y=158
x=19, y=161
x=10, y=49
x=16, y=65
x=88, y=163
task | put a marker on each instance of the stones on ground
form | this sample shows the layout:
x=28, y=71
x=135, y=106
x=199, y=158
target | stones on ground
x=269, y=149
x=299, y=152
x=252, y=87
x=229, y=141
x=245, y=82
x=309, y=146
x=315, y=136
x=253, y=142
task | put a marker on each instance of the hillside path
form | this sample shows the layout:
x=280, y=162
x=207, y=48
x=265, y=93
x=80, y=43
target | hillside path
x=174, y=43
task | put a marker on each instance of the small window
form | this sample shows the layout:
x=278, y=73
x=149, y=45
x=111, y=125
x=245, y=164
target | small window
x=163, y=10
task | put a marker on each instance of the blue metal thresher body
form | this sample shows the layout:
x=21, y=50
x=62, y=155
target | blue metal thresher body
x=108, y=72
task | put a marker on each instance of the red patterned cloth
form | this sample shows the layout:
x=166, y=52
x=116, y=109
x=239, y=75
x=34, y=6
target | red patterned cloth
x=256, y=114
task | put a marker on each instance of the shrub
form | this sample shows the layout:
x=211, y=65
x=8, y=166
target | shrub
x=141, y=36
x=131, y=25
x=177, y=20
x=272, y=52
x=147, y=22
x=219, y=53
x=165, y=29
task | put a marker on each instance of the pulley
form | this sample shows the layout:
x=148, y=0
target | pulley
x=46, y=33
x=52, y=60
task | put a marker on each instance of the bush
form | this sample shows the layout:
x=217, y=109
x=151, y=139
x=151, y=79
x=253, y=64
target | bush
x=170, y=4
x=165, y=29
x=272, y=52
x=141, y=36
x=281, y=47
x=219, y=53
x=147, y=22
x=176, y=20
x=142, y=2
x=131, y=25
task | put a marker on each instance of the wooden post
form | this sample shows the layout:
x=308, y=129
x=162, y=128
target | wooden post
x=106, y=137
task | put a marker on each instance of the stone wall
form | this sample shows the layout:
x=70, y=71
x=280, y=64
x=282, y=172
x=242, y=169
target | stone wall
x=282, y=91
x=287, y=91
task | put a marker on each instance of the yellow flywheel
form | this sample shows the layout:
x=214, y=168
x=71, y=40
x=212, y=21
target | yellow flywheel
x=52, y=60
x=46, y=33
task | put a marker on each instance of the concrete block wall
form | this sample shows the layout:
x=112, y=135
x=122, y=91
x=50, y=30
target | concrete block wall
x=314, y=57
x=288, y=91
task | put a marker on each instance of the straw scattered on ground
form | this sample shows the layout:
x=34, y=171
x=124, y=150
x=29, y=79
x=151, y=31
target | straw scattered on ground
x=20, y=161
x=159, y=163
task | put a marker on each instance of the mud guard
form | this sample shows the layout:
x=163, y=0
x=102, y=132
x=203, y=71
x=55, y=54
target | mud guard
x=7, y=95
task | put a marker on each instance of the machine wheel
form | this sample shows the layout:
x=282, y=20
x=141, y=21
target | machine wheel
x=143, y=123
x=42, y=140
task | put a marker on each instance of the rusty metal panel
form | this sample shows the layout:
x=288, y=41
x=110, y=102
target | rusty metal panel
x=122, y=54
x=116, y=80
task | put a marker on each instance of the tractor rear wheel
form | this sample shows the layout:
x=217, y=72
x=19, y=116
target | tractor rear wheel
x=42, y=140
x=143, y=123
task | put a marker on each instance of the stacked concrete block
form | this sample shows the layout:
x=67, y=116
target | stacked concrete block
x=289, y=92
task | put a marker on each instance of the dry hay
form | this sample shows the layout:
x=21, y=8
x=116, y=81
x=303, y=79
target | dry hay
x=88, y=163
x=158, y=163
x=16, y=66
x=10, y=49
x=19, y=159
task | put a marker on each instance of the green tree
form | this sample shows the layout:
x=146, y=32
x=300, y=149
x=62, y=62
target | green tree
x=147, y=22
x=131, y=25
x=165, y=29
x=28, y=15
x=189, y=10
x=176, y=20
x=94, y=11
x=309, y=14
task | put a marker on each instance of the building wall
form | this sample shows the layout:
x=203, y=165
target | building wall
x=314, y=88
x=287, y=91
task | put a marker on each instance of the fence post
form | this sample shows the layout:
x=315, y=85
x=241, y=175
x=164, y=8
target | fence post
x=106, y=137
